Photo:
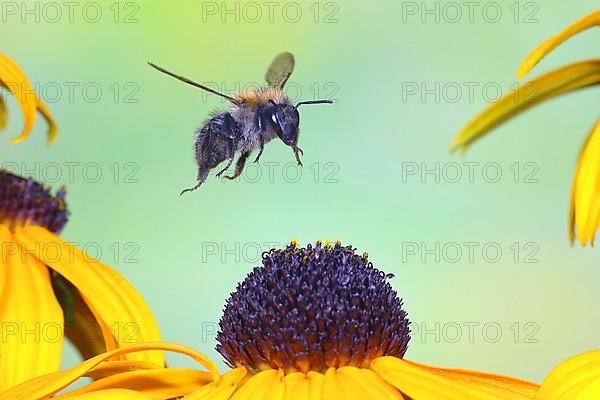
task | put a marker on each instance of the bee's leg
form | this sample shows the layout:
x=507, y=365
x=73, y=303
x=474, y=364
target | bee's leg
x=202, y=174
x=191, y=189
x=229, y=130
x=239, y=166
x=262, y=126
x=262, y=147
x=231, y=156
x=297, y=152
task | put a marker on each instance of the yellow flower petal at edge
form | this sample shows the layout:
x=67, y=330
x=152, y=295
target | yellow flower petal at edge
x=389, y=378
x=109, y=368
x=315, y=384
x=3, y=114
x=584, y=217
x=297, y=386
x=552, y=84
x=83, y=320
x=506, y=387
x=264, y=385
x=366, y=384
x=158, y=383
x=115, y=301
x=52, y=127
x=13, y=79
x=221, y=389
x=113, y=394
x=577, y=378
x=428, y=383
x=47, y=385
x=589, y=21
x=32, y=320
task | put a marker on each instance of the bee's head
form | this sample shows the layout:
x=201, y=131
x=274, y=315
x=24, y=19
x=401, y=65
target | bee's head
x=286, y=120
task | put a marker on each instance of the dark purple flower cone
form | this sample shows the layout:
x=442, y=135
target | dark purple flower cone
x=26, y=202
x=308, y=309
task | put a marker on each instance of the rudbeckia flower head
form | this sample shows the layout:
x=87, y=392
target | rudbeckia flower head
x=310, y=309
x=322, y=322
x=43, y=292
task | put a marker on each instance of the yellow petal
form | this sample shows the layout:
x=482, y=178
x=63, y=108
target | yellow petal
x=576, y=378
x=273, y=387
x=277, y=389
x=331, y=386
x=367, y=384
x=585, y=193
x=45, y=386
x=19, y=391
x=14, y=79
x=3, y=114
x=257, y=386
x=32, y=320
x=82, y=331
x=156, y=384
x=589, y=21
x=586, y=390
x=107, y=335
x=52, y=127
x=424, y=384
x=297, y=386
x=112, y=394
x=221, y=389
x=108, y=294
x=5, y=237
x=502, y=386
x=554, y=83
x=110, y=368
x=316, y=382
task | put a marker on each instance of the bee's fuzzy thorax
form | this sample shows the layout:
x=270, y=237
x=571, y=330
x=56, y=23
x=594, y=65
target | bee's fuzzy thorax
x=255, y=97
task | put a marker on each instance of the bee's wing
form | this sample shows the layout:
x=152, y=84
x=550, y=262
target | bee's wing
x=280, y=70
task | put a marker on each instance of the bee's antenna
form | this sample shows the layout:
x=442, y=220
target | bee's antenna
x=191, y=82
x=314, y=102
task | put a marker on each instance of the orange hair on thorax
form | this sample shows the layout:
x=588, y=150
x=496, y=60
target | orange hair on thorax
x=255, y=97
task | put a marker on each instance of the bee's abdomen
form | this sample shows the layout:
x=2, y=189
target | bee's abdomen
x=213, y=140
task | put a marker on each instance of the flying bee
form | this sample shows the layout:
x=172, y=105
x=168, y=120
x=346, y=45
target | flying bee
x=256, y=117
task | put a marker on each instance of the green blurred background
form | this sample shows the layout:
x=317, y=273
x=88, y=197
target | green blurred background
x=406, y=76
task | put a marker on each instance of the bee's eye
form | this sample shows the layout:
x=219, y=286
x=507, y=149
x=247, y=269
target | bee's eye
x=274, y=118
x=292, y=115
